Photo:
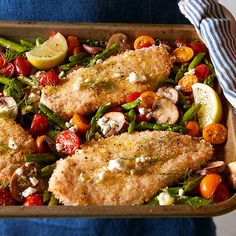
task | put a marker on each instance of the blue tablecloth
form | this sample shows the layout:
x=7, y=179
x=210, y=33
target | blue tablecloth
x=135, y=11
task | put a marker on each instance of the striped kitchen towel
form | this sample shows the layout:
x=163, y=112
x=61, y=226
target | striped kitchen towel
x=217, y=28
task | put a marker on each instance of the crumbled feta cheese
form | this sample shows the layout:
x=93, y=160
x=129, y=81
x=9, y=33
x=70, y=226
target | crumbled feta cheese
x=32, y=96
x=59, y=147
x=165, y=199
x=134, y=78
x=99, y=61
x=68, y=124
x=19, y=171
x=142, y=159
x=29, y=191
x=190, y=72
x=77, y=85
x=144, y=111
x=181, y=192
x=11, y=144
x=178, y=87
x=107, y=124
x=61, y=75
x=73, y=129
x=33, y=181
x=116, y=164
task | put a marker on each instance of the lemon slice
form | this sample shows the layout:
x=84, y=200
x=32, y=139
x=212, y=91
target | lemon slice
x=50, y=54
x=211, y=108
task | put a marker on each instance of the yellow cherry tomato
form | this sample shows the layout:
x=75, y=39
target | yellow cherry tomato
x=183, y=54
x=193, y=128
x=148, y=98
x=187, y=81
x=143, y=41
x=209, y=184
x=80, y=123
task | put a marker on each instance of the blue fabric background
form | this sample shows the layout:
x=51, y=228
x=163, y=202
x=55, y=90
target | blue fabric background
x=135, y=11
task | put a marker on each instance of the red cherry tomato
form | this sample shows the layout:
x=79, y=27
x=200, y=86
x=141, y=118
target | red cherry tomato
x=7, y=70
x=197, y=47
x=40, y=144
x=132, y=97
x=70, y=142
x=39, y=125
x=180, y=42
x=73, y=43
x=6, y=198
x=221, y=194
x=2, y=61
x=202, y=72
x=34, y=200
x=140, y=118
x=22, y=66
x=50, y=78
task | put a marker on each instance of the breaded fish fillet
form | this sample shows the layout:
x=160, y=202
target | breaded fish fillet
x=14, y=144
x=86, y=89
x=128, y=169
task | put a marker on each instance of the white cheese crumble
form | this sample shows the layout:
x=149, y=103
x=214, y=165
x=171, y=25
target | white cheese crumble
x=19, y=171
x=99, y=61
x=11, y=144
x=73, y=129
x=33, y=181
x=190, y=72
x=178, y=87
x=116, y=164
x=59, y=147
x=61, y=75
x=181, y=192
x=134, y=78
x=68, y=124
x=165, y=199
x=144, y=111
x=32, y=96
x=29, y=191
x=142, y=159
x=107, y=124
x=77, y=85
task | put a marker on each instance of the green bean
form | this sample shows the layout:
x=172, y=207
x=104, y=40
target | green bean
x=104, y=54
x=39, y=41
x=53, y=201
x=41, y=157
x=94, y=42
x=130, y=105
x=51, y=116
x=47, y=170
x=182, y=70
x=27, y=44
x=12, y=45
x=190, y=113
x=196, y=60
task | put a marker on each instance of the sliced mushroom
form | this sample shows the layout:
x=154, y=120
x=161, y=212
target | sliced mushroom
x=91, y=49
x=231, y=170
x=165, y=111
x=25, y=177
x=214, y=167
x=112, y=123
x=169, y=93
x=8, y=107
x=119, y=39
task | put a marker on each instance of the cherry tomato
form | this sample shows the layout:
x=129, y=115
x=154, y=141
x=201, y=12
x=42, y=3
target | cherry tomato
x=132, y=97
x=187, y=81
x=80, y=123
x=183, y=54
x=180, y=42
x=70, y=142
x=40, y=144
x=49, y=78
x=140, y=118
x=39, y=125
x=221, y=194
x=2, y=61
x=198, y=47
x=22, y=66
x=209, y=184
x=6, y=198
x=202, y=72
x=7, y=70
x=148, y=98
x=143, y=41
x=215, y=133
x=73, y=43
x=77, y=50
x=34, y=200
x=193, y=128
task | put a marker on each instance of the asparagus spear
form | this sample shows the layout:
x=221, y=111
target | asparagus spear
x=196, y=60
x=51, y=116
x=47, y=170
x=41, y=157
x=181, y=71
x=190, y=113
x=130, y=105
x=12, y=45
x=27, y=44
x=94, y=42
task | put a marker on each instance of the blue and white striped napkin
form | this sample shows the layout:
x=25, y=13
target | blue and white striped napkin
x=217, y=28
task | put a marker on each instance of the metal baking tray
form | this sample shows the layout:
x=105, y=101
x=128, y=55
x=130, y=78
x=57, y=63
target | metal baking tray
x=30, y=30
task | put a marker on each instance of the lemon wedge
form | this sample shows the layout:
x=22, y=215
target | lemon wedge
x=211, y=108
x=50, y=54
